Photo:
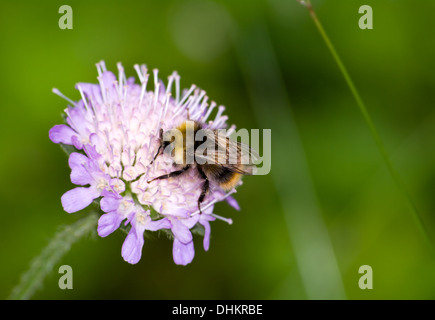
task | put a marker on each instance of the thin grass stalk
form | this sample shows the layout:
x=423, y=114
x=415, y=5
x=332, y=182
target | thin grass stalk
x=379, y=143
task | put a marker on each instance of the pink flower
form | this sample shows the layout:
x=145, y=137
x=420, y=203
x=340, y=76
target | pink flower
x=115, y=126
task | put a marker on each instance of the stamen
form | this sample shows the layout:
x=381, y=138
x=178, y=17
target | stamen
x=156, y=86
x=94, y=114
x=125, y=94
x=218, y=115
x=73, y=125
x=191, y=102
x=144, y=69
x=208, y=205
x=170, y=81
x=165, y=109
x=188, y=93
x=102, y=88
x=60, y=94
x=103, y=65
x=197, y=100
x=100, y=72
x=83, y=98
x=201, y=108
x=183, y=107
x=210, y=109
x=177, y=87
x=144, y=86
x=220, y=122
x=139, y=73
x=231, y=130
x=162, y=113
x=227, y=220
x=121, y=78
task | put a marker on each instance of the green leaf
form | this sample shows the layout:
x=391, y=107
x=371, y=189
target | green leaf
x=167, y=233
x=68, y=149
x=198, y=229
x=125, y=228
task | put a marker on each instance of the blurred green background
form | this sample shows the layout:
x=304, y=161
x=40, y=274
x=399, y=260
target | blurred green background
x=328, y=206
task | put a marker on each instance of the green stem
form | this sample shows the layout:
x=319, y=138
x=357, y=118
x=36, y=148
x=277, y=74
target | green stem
x=43, y=264
x=394, y=174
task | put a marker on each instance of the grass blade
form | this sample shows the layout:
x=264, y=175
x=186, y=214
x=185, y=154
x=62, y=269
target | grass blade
x=394, y=174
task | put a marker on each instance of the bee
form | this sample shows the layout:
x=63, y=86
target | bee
x=216, y=158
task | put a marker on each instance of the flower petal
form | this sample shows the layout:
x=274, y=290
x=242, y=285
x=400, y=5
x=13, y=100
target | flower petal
x=108, y=223
x=183, y=253
x=233, y=202
x=158, y=224
x=181, y=232
x=79, y=173
x=132, y=247
x=77, y=199
x=110, y=201
x=207, y=231
x=76, y=142
x=168, y=207
x=77, y=160
x=98, y=143
x=61, y=133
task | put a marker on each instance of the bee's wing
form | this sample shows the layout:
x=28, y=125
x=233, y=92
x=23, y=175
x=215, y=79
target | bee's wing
x=245, y=154
x=235, y=156
x=248, y=155
x=242, y=169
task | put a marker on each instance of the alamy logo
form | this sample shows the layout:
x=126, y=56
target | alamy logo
x=66, y=20
x=366, y=20
x=66, y=281
x=366, y=280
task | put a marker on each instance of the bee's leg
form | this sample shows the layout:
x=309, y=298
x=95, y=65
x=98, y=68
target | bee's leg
x=160, y=147
x=205, y=188
x=172, y=174
x=157, y=153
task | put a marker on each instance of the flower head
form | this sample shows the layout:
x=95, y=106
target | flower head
x=115, y=129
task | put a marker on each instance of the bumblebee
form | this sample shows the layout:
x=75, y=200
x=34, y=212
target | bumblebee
x=216, y=158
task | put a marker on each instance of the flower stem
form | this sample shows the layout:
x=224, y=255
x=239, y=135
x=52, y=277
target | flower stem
x=40, y=266
x=394, y=174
